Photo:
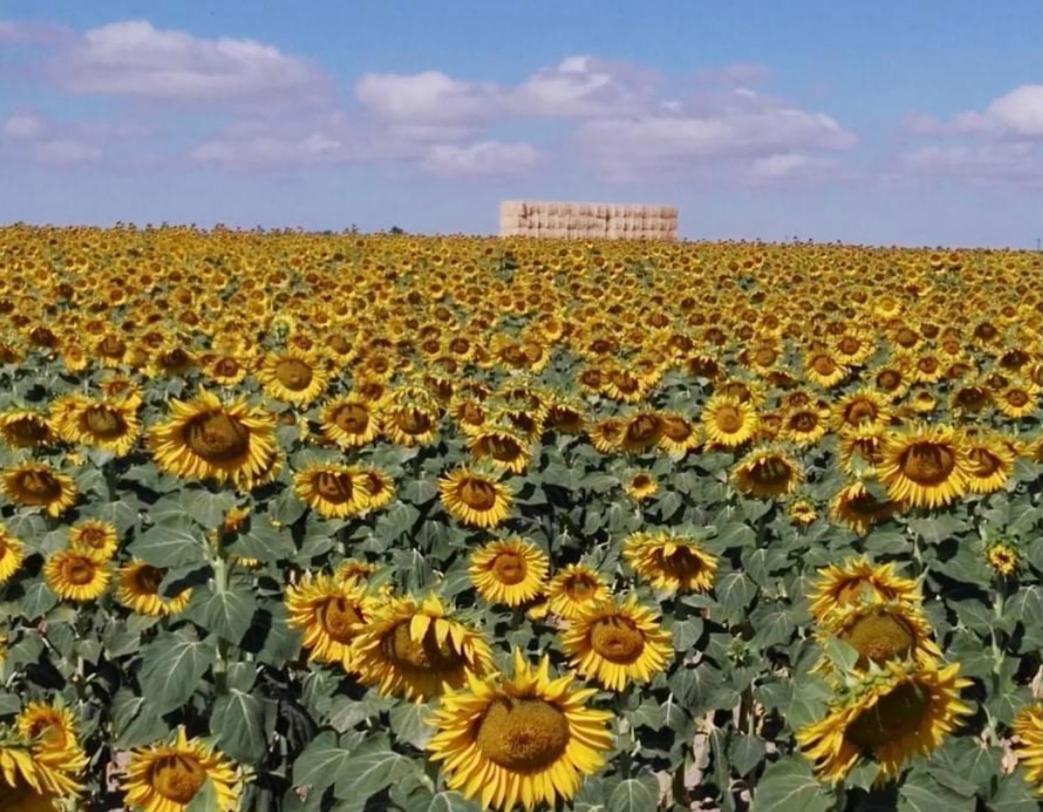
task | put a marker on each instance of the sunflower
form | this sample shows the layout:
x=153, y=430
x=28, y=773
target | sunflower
x=350, y=421
x=641, y=431
x=805, y=426
x=641, y=486
x=1028, y=747
x=503, y=447
x=566, y=416
x=111, y=425
x=410, y=417
x=293, y=376
x=137, y=588
x=510, y=571
x=991, y=462
x=331, y=612
x=861, y=451
x=670, y=563
x=881, y=630
x=415, y=649
x=12, y=553
x=766, y=473
x=36, y=484
x=843, y=584
x=863, y=410
x=54, y=731
x=856, y=507
x=474, y=498
x=574, y=587
x=33, y=778
x=728, y=421
x=678, y=434
x=616, y=643
x=893, y=714
x=822, y=368
x=802, y=512
x=22, y=428
x=970, y=399
x=352, y=569
x=926, y=467
x=606, y=435
x=333, y=491
x=167, y=776
x=207, y=439
x=525, y=740
x=94, y=537
x=1003, y=558
x=1018, y=400
x=76, y=576
x=378, y=484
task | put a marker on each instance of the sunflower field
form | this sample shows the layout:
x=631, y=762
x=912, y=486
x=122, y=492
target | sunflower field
x=314, y=522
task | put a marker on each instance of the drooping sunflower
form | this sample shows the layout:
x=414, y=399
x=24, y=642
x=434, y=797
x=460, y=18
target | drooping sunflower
x=36, y=484
x=34, y=778
x=881, y=630
x=94, y=537
x=1028, y=725
x=861, y=451
x=417, y=650
x=894, y=713
x=352, y=569
x=844, y=584
x=76, y=576
x=615, y=643
x=503, y=447
x=293, y=376
x=509, y=571
x=926, y=467
x=333, y=491
x=728, y=421
x=802, y=512
x=475, y=498
x=350, y=421
x=168, y=775
x=410, y=416
x=671, y=563
x=330, y=612
x=606, y=435
x=137, y=588
x=766, y=473
x=574, y=587
x=378, y=484
x=111, y=425
x=990, y=461
x=855, y=506
x=641, y=431
x=678, y=435
x=12, y=553
x=54, y=731
x=23, y=428
x=207, y=439
x=525, y=740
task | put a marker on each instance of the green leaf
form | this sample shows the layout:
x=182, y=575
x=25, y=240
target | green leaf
x=172, y=666
x=224, y=612
x=135, y=721
x=372, y=767
x=238, y=722
x=634, y=795
x=790, y=786
x=167, y=545
x=264, y=541
x=321, y=763
x=921, y=793
x=38, y=600
x=396, y=521
x=1013, y=794
x=734, y=592
x=745, y=753
x=410, y=723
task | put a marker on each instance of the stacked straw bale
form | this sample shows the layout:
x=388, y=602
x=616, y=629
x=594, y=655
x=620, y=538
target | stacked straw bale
x=582, y=221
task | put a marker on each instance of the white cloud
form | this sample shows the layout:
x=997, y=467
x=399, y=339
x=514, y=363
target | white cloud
x=584, y=87
x=133, y=58
x=1020, y=111
x=21, y=32
x=24, y=125
x=484, y=158
x=66, y=152
x=984, y=163
x=428, y=97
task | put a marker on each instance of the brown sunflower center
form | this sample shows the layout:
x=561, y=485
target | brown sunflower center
x=985, y=462
x=413, y=420
x=682, y=564
x=971, y=398
x=879, y=637
x=177, y=778
x=728, y=419
x=352, y=418
x=824, y=365
x=510, y=568
x=427, y=655
x=112, y=347
x=849, y=345
x=217, y=437
x=581, y=587
x=898, y=713
x=334, y=486
x=765, y=356
x=860, y=411
x=227, y=367
x=889, y=380
x=617, y=640
x=677, y=429
x=104, y=421
x=147, y=579
x=523, y=735
x=340, y=618
x=39, y=486
x=1017, y=397
x=174, y=359
x=928, y=463
x=94, y=537
x=803, y=421
x=27, y=430
x=771, y=471
x=477, y=494
x=78, y=570
x=640, y=481
x=294, y=374
x=502, y=448
x=643, y=429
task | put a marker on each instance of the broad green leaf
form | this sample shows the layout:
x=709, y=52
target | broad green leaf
x=789, y=786
x=634, y=795
x=172, y=666
x=237, y=722
x=410, y=723
x=224, y=612
x=323, y=761
x=168, y=546
x=373, y=766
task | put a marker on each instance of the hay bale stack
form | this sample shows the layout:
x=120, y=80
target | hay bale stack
x=583, y=221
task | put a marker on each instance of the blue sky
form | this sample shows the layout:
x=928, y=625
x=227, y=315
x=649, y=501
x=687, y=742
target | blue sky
x=912, y=123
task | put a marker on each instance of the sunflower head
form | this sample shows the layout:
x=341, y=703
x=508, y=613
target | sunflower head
x=333, y=491
x=36, y=484
x=94, y=537
x=76, y=576
x=22, y=428
x=574, y=587
x=766, y=473
x=925, y=467
x=294, y=376
x=330, y=612
x=641, y=486
x=509, y=571
x=729, y=421
x=671, y=563
x=1028, y=746
x=475, y=498
x=802, y=511
x=12, y=553
x=1003, y=557
x=138, y=588
x=350, y=421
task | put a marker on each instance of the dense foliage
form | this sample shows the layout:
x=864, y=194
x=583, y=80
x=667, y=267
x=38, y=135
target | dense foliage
x=314, y=522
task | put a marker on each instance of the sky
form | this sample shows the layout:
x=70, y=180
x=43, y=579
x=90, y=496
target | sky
x=875, y=123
